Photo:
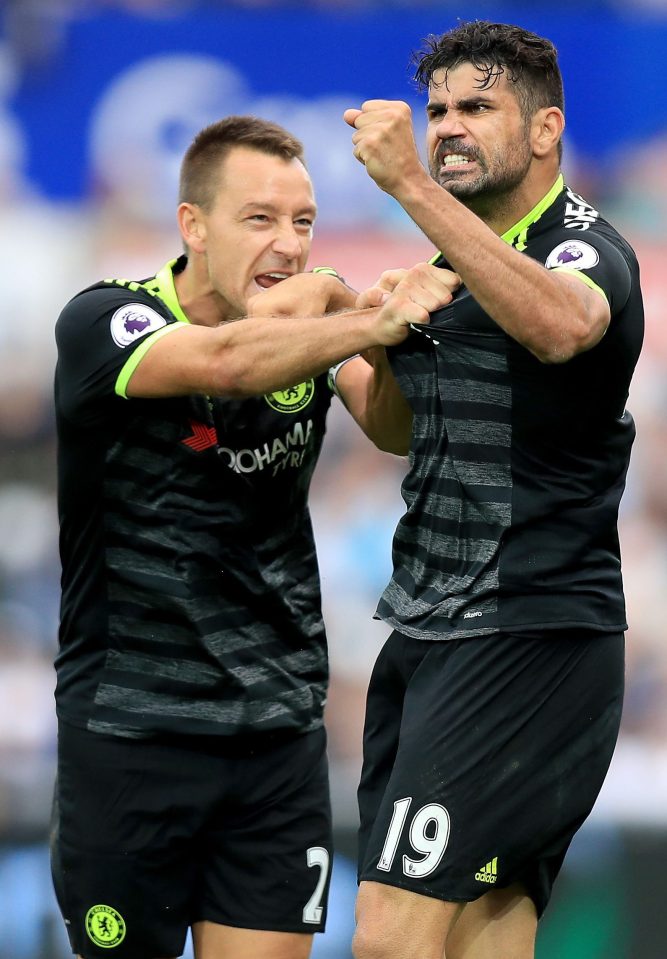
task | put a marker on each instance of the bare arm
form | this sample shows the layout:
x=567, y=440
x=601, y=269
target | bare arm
x=372, y=396
x=260, y=354
x=553, y=315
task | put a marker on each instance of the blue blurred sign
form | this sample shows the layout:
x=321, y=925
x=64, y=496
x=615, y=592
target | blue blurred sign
x=119, y=87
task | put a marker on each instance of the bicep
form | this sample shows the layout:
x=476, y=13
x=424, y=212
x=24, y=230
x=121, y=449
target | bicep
x=176, y=361
x=594, y=305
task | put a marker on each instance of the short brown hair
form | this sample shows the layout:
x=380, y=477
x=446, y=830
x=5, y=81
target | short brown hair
x=529, y=61
x=212, y=144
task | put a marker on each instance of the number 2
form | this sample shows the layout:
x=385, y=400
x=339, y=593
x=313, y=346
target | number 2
x=432, y=817
x=316, y=856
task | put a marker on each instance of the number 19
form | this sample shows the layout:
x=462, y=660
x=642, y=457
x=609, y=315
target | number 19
x=432, y=818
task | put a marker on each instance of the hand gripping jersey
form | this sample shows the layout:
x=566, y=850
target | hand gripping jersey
x=191, y=597
x=517, y=467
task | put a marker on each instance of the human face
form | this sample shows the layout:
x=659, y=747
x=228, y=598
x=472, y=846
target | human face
x=259, y=229
x=478, y=141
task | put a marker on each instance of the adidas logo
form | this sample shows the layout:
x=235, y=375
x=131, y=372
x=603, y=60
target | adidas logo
x=488, y=873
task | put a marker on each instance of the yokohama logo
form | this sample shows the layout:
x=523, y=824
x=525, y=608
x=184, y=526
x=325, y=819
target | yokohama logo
x=202, y=438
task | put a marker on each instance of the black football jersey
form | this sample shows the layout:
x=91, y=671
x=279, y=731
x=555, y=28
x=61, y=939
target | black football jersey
x=190, y=587
x=517, y=467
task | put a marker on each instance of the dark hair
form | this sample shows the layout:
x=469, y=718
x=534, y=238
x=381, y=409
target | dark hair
x=528, y=61
x=201, y=163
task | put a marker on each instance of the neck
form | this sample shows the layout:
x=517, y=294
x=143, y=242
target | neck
x=202, y=305
x=502, y=212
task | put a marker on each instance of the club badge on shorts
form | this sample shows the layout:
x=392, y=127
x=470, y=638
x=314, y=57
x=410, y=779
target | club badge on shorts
x=105, y=926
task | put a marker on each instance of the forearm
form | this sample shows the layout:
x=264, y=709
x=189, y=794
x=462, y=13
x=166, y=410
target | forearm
x=267, y=353
x=373, y=397
x=262, y=354
x=250, y=357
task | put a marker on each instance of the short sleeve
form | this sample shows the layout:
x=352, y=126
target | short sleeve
x=100, y=334
x=598, y=259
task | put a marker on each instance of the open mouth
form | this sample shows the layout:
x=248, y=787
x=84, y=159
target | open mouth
x=267, y=280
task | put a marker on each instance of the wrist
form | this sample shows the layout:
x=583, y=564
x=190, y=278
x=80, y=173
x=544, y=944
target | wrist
x=340, y=295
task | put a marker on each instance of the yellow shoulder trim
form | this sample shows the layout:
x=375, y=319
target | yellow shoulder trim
x=585, y=279
x=135, y=359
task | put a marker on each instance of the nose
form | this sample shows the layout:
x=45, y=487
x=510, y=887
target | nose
x=450, y=126
x=287, y=241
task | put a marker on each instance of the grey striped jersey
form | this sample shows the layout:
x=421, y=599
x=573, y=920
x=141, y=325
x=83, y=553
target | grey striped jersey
x=517, y=467
x=190, y=587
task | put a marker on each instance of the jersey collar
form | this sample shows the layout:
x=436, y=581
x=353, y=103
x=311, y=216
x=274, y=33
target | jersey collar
x=516, y=235
x=166, y=290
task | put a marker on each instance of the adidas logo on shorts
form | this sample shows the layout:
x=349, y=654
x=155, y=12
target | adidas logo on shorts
x=488, y=873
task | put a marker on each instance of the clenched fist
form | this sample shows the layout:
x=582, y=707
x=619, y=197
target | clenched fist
x=306, y=294
x=410, y=296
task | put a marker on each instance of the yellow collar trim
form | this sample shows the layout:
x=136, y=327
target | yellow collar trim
x=519, y=230
x=167, y=290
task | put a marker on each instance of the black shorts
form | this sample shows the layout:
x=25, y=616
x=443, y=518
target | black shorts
x=149, y=837
x=482, y=757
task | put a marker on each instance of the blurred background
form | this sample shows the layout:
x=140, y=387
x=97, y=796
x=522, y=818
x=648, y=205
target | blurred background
x=98, y=101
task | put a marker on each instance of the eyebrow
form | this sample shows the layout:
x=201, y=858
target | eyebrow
x=435, y=106
x=272, y=208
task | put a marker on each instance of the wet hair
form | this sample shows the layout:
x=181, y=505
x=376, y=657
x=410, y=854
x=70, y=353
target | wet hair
x=529, y=62
x=201, y=164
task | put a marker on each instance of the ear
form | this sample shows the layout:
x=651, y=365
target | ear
x=546, y=130
x=192, y=226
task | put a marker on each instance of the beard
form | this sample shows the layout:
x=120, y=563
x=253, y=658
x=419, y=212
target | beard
x=497, y=175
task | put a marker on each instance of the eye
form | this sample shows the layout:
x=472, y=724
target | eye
x=259, y=217
x=435, y=114
x=304, y=222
